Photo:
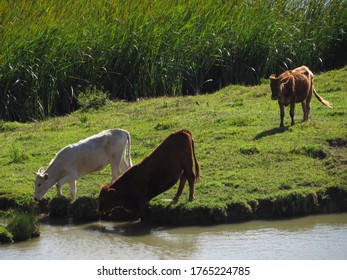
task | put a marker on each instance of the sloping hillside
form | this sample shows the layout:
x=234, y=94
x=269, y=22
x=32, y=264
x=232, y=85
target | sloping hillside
x=247, y=162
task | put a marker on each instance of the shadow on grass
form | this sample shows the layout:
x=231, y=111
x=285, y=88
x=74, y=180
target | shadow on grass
x=272, y=131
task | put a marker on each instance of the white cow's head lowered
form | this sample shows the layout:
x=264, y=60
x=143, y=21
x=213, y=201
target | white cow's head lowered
x=42, y=184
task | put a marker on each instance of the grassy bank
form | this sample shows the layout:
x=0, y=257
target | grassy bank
x=20, y=226
x=51, y=50
x=249, y=165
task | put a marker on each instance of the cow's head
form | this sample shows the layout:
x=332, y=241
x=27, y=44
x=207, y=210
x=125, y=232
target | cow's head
x=107, y=199
x=110, y=198
x=42, y=184
x=277, y=84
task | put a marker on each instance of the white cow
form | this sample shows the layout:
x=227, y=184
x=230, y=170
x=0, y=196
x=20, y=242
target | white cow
x=86, y=156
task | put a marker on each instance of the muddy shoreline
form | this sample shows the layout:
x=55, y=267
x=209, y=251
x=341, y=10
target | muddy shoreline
x=329, y=200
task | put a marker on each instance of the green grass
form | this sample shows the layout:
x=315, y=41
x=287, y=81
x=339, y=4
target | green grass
x=51, y=51
x=23, y=226
x=245, y=157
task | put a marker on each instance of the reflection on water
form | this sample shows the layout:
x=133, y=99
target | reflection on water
x=314, y=237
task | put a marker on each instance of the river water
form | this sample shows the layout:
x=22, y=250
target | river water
x=318, y=237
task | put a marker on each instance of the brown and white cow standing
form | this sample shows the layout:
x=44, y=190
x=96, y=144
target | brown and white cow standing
x=170, y=161
x=294, y=86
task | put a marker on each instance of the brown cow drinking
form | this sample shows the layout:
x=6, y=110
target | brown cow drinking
x=294, y=86
x=170, y=161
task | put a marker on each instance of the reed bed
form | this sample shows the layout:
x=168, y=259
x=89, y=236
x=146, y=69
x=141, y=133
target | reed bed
x=52, y=50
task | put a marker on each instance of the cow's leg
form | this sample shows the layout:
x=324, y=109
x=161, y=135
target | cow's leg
x=308, y=109
x=59, y=193
x=115, y=171
x=183, y=180
x=189, y=175
x=120, y=160
x=303, y=105
x=115, y=164
x=308, y=106
x=191, y=180
x=123, y=165
x=292, y=108
x=73, y=190
x=71, y=180
x=281, y=113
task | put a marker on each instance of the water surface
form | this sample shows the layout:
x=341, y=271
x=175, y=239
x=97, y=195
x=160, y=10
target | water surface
x=314, y=237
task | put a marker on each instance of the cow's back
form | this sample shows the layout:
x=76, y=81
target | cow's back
x=304, y=70
x=90, y=154
x=175, y=144
x=90, y=146
x=160, y=170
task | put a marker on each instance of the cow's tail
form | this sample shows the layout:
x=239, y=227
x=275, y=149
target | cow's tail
x=321, y=99
x=129, y=148
x=197, y=166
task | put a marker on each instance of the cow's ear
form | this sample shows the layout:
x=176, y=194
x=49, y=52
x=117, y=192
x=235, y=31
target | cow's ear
x=285, y=80
x=41, y=170
x=272, y=77
x=104, y=189
x=45, y=176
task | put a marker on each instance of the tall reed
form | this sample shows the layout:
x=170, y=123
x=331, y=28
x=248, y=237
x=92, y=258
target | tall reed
x=52, y=50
